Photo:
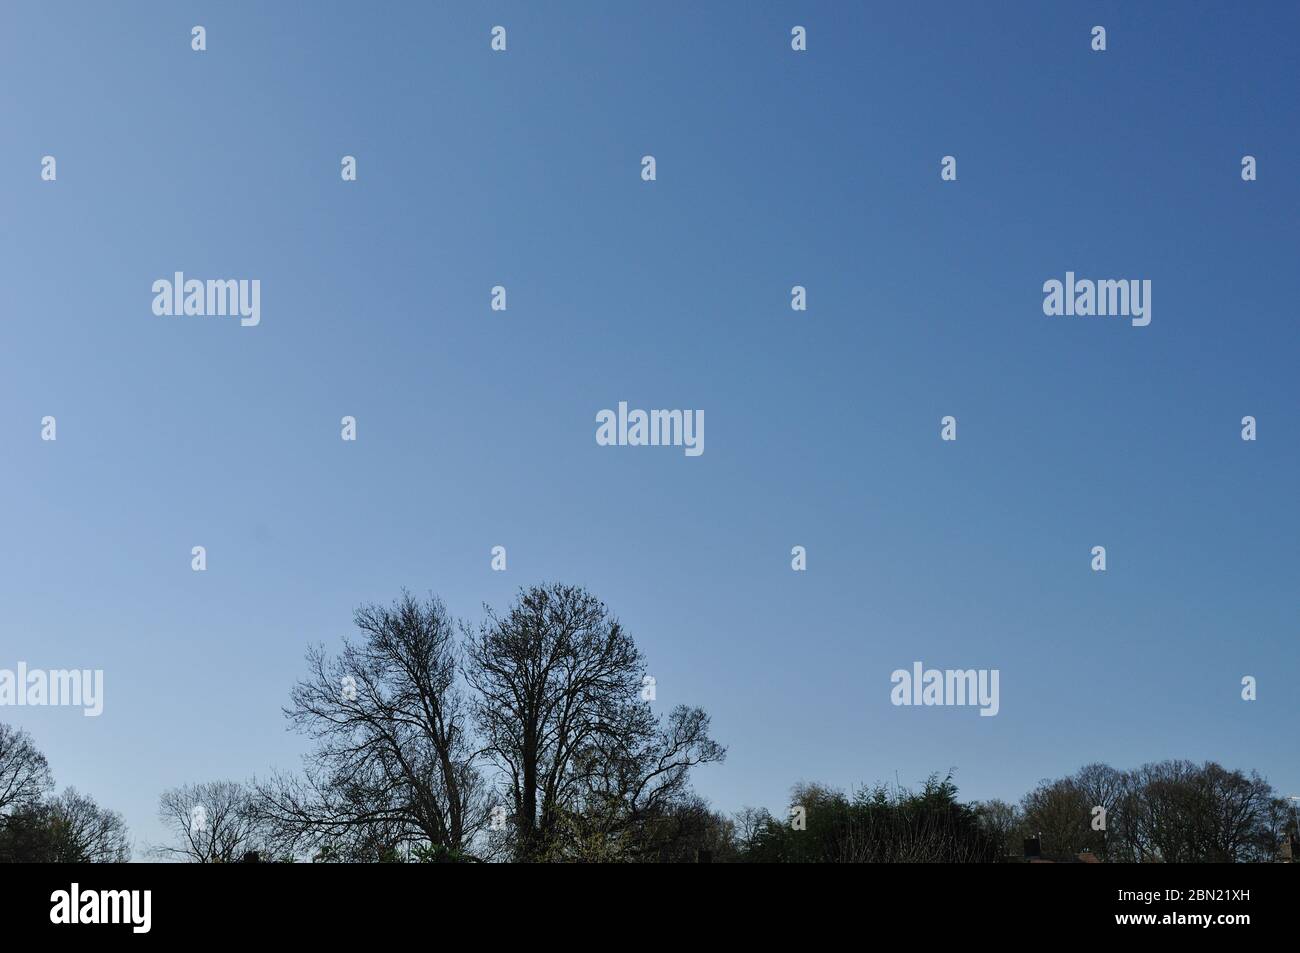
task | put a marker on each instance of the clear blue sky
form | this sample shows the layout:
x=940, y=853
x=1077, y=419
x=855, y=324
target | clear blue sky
x=477, y=428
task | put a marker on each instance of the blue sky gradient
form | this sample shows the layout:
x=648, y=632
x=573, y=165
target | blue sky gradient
x=476, y=428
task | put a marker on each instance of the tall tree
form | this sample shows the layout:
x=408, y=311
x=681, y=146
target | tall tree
x=632, y=797
x=394, y=768
x=211, y=823
x=1057, y=812
x=24, y=773
x=559, y=707
x=1189, y=813
x=82, y=832
x=36, y=828
x=1001, y=822
x=1103, y=786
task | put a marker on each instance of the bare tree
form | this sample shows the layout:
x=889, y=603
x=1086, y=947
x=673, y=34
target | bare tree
x=1238, y=812
x=393, y=769
x=559, y=708
x=24, y=772
x=749, y=824
x=1057, y=812
x=70, y=828
x=632, y=786
x=1277, y=826
x=1102, y=786
x=1001, y=821
x=1172, y=811
x=212, y=823
x=1165, y=811
x=85, y=833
